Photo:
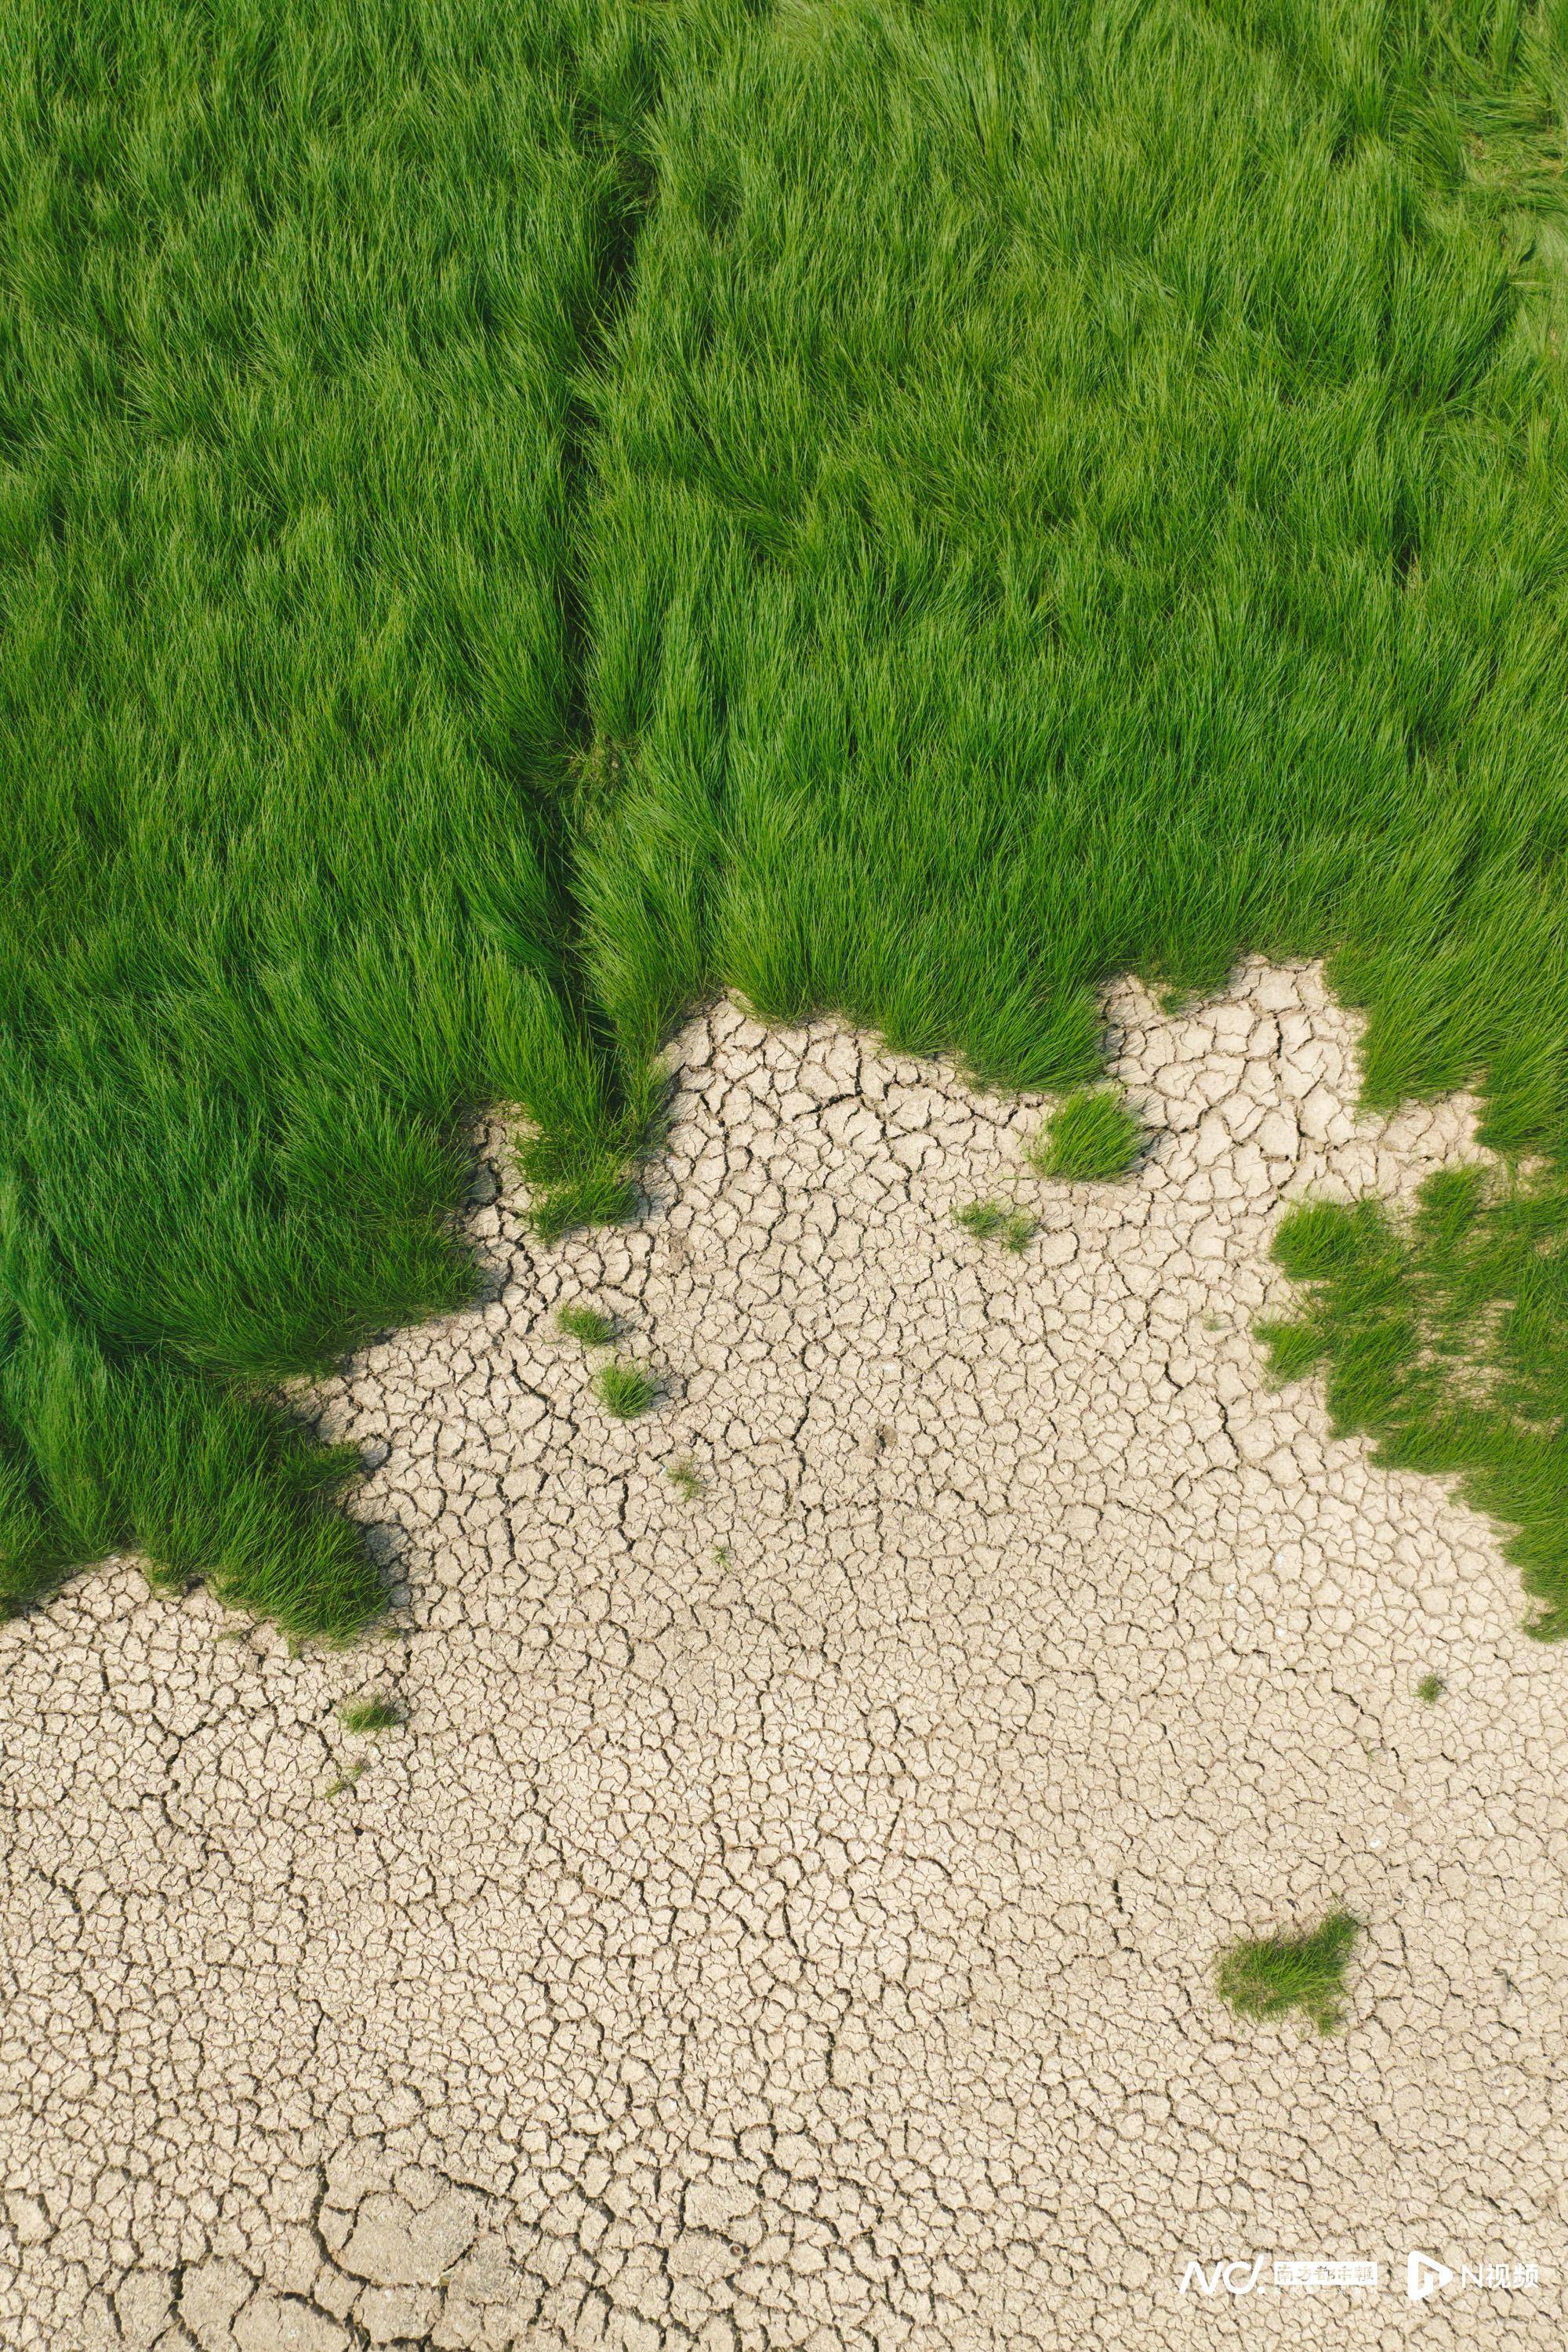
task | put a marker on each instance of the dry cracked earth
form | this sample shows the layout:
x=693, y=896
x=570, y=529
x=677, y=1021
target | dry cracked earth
x=786, y=1915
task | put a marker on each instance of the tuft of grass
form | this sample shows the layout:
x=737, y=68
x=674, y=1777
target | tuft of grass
x=368, y=1715
x=1444, y=1336
x=584, y=1323
x=624, y=1390
x=990, y=1220
x=1294, y=1348
x=346, y=1778
x=1090, y=1138
x=1430, y=1689
x=1269, y=1975
x=682, y=1476
x=603, y=1195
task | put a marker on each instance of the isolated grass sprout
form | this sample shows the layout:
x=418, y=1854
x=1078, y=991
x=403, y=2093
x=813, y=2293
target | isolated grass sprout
x=682, y=1476
x=991, y=1221
x=584, y=1323
x=346, y=1778
x=367, y=1714
x=1430, y=1689
x=1091, y=1138
x=1269, y=1975
x=624, y=1390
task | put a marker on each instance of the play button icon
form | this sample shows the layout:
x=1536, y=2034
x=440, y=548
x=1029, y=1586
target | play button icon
x=1423, y=2276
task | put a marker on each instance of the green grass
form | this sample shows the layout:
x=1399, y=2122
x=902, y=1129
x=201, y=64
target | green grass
x=510, y=522
x=682, y=1476
x=1269, y=1975
x=624, y=1390
x=1090, y=1138
x=586, y=1324
x=991, y=1221
x=1430, y=1689
x=599, y=1195
x=1444, y=1336
x=1108, y=485
x=290, y=680
x=367, y=1714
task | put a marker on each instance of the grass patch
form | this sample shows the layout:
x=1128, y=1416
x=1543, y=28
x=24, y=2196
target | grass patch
x=599, y=1196
x=682, y=1476
x=990, y=1220
x=510, y=522
x=1128, y=529
x=1444, y=1336
x=364, y=1715
x=1090, y=1138
x=347, y=1779
x=624, y=1390
x=289, y=677
x=584, y=1323
x=1269, y=1975
x=1430, y=1689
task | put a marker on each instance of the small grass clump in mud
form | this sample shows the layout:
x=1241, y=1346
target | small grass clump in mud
x=346, y=1778
x=584, y=1323
x=682, y=1476
x=989, y=1220
x=368, y=1715
x=1430, y=1689
x=1090, y=1138
x=624, y=1390
x=602, y=1196
x=1269, y=1975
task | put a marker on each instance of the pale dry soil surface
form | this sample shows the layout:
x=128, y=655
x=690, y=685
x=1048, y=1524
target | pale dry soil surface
x=786, y=1917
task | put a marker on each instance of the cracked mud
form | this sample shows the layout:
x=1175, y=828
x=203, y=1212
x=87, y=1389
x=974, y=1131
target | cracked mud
x=786, y=1915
